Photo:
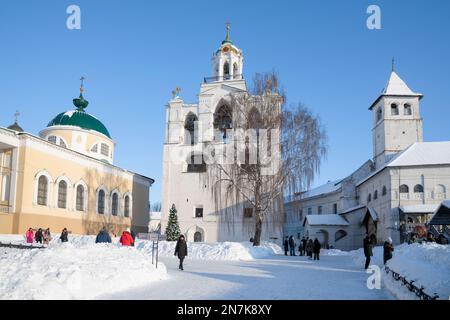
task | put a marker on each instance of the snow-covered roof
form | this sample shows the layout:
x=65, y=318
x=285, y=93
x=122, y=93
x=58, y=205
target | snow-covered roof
x=329, y=187
x=373, y=213
x=325, y=220
x=419, y=208
x=396, y=86
x=353, y=209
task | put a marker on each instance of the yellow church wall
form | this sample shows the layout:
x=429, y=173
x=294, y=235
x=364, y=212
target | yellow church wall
x=6, y=223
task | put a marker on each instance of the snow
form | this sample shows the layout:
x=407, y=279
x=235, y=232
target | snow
x=396, y=86
x=231, y=251
x=353, y=209
x=79, y=269
x=326, y=220
x=329, y=187
x=428, y=264
x=419, y=208
x=423, y=153
x=70, y=113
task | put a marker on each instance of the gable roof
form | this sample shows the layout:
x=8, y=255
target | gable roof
x=423, y=153
x=325, y=220
x=442, y=214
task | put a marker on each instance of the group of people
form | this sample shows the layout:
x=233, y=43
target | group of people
x=307, y=247
x=368, y=244
x=44, y=236
x=441, y=239
x=127, y=239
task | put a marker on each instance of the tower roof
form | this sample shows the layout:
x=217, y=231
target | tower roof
x=396, y=87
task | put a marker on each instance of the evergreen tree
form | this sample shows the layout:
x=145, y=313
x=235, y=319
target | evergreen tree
x=172, y=229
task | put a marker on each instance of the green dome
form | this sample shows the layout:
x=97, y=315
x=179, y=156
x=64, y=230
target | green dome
x=79, y=118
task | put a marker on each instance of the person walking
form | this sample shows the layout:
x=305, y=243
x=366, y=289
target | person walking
x=300, y=249
x=286, y=246
x=309, y=248
x=64, y=235
x=388, y=248
x=181, y=250
x=103, y=236
x=29, y=235
x=38, y=236
x=126, y=239
x=291, y=246
x=47, y=236
x=303, y=242
x=367, y=244
x=316, y=249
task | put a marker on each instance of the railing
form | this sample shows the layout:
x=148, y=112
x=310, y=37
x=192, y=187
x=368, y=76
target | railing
x=222, y=78
x=411, y=286
x=20, y=246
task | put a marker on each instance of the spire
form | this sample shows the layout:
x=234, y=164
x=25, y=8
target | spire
x=396, y=86
x=393, y=65
x=227, y=37
x=80, y=102
x=16, y=116
x=15, y=126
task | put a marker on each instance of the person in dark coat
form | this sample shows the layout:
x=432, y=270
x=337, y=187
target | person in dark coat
x=291, y=246
x=181, y=250
x=387, y=250
x=304, y=241
x=309, y=249
x=441, y=239
x=316, y=249
x=103, y=236
x=38, y=236
x=367, y=244
x=133, y=235
x=64, y=235
x=286, y=246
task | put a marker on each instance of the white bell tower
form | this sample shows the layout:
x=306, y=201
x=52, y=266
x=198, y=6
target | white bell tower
x=396, y=120
x=227, y=62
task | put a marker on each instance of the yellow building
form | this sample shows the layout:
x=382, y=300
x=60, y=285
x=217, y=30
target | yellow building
x=65, y=177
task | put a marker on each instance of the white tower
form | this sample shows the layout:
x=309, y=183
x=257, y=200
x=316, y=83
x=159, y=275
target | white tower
x=396, y=120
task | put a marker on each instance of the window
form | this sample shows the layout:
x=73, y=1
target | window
x=407, y=110
x=404, y=188
x=379, y=114
x=190, y=126
x=384, y=191
x=5, y=188
x=127, y=206
x=62, y=194
x=52, y=139
x=197, y=236
x=115, y=204
x=309, y=211
x=335, y=208
x=199, y=212
x=95, y=148
x=440, y=192
x=80, y=198
x=223, y=121
x=101, y=202
x=226, y=71
x=196, y=163
x=57, y=140
x=42, y=190
x=375, y=195
x=235, y=71
x=394, y=109
x=248, y=212
x=104, y=149
x=319, y=209
x=300, y=214
x=418, y=188
x=369, y=197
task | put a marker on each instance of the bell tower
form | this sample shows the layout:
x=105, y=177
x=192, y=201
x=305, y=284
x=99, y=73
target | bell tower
x=227, y=60
x=396, y=120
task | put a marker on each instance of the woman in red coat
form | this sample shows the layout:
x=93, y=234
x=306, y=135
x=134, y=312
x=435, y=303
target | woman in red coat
x=126, y=239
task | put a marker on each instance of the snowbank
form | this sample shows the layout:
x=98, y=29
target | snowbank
x=215, y=251
x=79, y=269
x=428, y=264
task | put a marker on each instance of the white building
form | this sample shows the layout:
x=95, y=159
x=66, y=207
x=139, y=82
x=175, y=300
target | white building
x=391, y=195
x=190, y=127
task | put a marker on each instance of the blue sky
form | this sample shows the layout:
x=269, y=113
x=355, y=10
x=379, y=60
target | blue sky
x=133, y=53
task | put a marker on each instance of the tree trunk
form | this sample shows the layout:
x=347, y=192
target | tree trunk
x=258, y=229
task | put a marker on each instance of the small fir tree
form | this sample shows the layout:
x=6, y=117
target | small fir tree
x=172, y=229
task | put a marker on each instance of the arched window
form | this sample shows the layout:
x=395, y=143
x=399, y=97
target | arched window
x=191, y=129
x=115, y=204
x=440, y=191
x=375, y=195
x=223, y=121
x=369, y=197
x=62, y=194
x=379, y=114
x=127, y=206
x=196, y=163
x=104, y=149
x=62, y=143
x=226, y=71
x=80, y=198
x=418, y=188
x=197, y=236
x=57, y=140
x=52, y=139
x=407, y=111
x=101, y=202
x=394, y=109
x=42, y=191
x=235, y=71
x=404, y=188
x=384, y=191
x=94, y=148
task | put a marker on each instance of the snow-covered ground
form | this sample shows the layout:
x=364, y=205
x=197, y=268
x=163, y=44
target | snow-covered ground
x=79, y=269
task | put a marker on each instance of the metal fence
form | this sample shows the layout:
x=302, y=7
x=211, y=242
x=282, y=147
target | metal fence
x=419, y=292
x=20, y=246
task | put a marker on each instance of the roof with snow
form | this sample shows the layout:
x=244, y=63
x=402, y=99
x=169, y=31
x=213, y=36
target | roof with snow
x=325, y=220
x=419, y=208
x=396, y=87
x=329, y=187
x=442, y=214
